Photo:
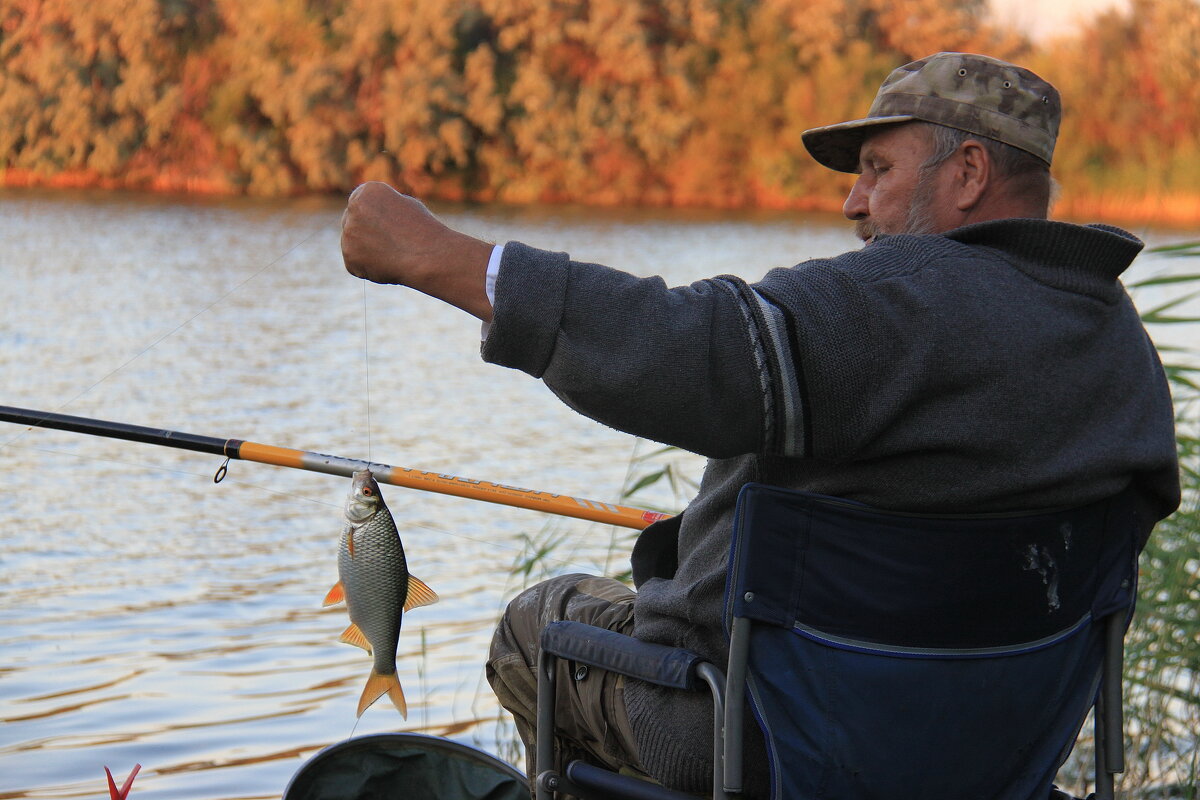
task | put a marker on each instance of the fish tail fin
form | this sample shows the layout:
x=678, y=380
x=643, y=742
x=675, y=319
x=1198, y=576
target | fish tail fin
x=377, y=686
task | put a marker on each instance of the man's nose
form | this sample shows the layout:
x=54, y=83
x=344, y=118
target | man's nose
x=856, y=206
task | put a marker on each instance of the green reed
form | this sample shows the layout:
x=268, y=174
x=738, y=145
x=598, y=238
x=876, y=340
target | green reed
x=1162, y=647
x=1162, y=658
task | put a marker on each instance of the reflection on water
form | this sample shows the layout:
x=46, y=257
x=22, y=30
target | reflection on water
x=151, y=616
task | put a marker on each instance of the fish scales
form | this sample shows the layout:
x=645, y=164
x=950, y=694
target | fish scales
x=374, y=582
x=375, y=579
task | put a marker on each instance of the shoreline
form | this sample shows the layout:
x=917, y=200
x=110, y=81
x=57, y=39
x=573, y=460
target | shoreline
x=1169, y=210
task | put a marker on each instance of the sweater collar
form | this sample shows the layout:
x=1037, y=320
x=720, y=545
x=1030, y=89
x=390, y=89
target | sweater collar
x=1087, y=258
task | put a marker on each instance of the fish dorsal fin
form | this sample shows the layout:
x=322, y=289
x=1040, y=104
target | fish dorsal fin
x=418, y=594
x=336, y=595
x=354, y=635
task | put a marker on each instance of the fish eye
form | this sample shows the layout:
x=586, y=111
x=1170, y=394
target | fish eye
x=367, y=491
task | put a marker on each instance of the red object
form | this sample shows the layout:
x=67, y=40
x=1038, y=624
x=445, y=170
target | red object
x=120, y=794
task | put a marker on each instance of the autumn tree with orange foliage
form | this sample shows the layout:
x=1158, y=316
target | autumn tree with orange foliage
x=88, y=87
x=782, y=67
x=659, y=102
x=1130, y=144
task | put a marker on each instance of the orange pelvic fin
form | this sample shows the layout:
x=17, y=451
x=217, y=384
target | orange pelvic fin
x=379, y=685
x=336, y=595
x=418, y=594
x=354, y=635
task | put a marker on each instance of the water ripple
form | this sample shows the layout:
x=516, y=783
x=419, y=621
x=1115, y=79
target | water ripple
x=150, y=616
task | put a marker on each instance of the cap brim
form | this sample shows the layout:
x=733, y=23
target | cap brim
x=837, y=146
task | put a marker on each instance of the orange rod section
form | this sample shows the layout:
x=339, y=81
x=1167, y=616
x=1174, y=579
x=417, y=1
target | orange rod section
x=562, y=505
x=546, y=502
x=270, y=454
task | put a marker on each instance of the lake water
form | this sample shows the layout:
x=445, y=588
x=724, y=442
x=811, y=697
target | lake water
x=151, y=616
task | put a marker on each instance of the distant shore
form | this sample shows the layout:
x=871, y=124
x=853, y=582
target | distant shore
x=1176, y=210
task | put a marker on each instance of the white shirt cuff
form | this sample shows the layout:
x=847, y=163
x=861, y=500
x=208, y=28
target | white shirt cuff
x=489, y=285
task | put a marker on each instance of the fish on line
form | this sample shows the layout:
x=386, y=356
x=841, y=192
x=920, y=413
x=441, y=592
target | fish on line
x=374, y=582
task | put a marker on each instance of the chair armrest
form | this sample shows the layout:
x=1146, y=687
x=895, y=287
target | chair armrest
x=598, y=647
x=672, y=667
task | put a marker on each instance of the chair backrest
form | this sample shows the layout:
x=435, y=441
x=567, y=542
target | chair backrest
x=904, y=655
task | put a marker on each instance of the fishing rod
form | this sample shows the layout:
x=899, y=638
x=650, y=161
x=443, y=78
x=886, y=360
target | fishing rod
x=486, y=491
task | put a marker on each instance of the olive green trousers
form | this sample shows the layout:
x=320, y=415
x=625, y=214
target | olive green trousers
x=590, y=717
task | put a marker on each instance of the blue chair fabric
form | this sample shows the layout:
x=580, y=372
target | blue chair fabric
x=919, y=655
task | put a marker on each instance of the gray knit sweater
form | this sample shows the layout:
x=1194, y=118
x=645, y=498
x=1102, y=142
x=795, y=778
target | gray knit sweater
x=999, y=366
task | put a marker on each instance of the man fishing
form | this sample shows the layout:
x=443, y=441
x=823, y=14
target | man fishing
x=973, y=356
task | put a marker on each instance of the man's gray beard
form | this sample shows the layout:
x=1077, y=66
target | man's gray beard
x=920, y=213
x=920, y=210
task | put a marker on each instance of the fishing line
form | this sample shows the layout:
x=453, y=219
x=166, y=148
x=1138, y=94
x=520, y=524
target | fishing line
x=367, y=366
x=11, y=442
x=171, y=471
x=403, y=525
x=354, y=728
x=176, y=329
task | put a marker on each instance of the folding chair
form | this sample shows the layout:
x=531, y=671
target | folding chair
x=894, y=655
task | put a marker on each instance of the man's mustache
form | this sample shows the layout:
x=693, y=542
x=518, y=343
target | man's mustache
x=865, y=229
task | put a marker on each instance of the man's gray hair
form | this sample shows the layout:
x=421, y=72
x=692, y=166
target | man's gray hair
x=1009, y=161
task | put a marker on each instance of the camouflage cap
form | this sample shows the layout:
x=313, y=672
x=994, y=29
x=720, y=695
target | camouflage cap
x=977, y=94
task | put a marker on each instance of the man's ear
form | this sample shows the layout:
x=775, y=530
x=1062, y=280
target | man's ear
x=975, y=174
